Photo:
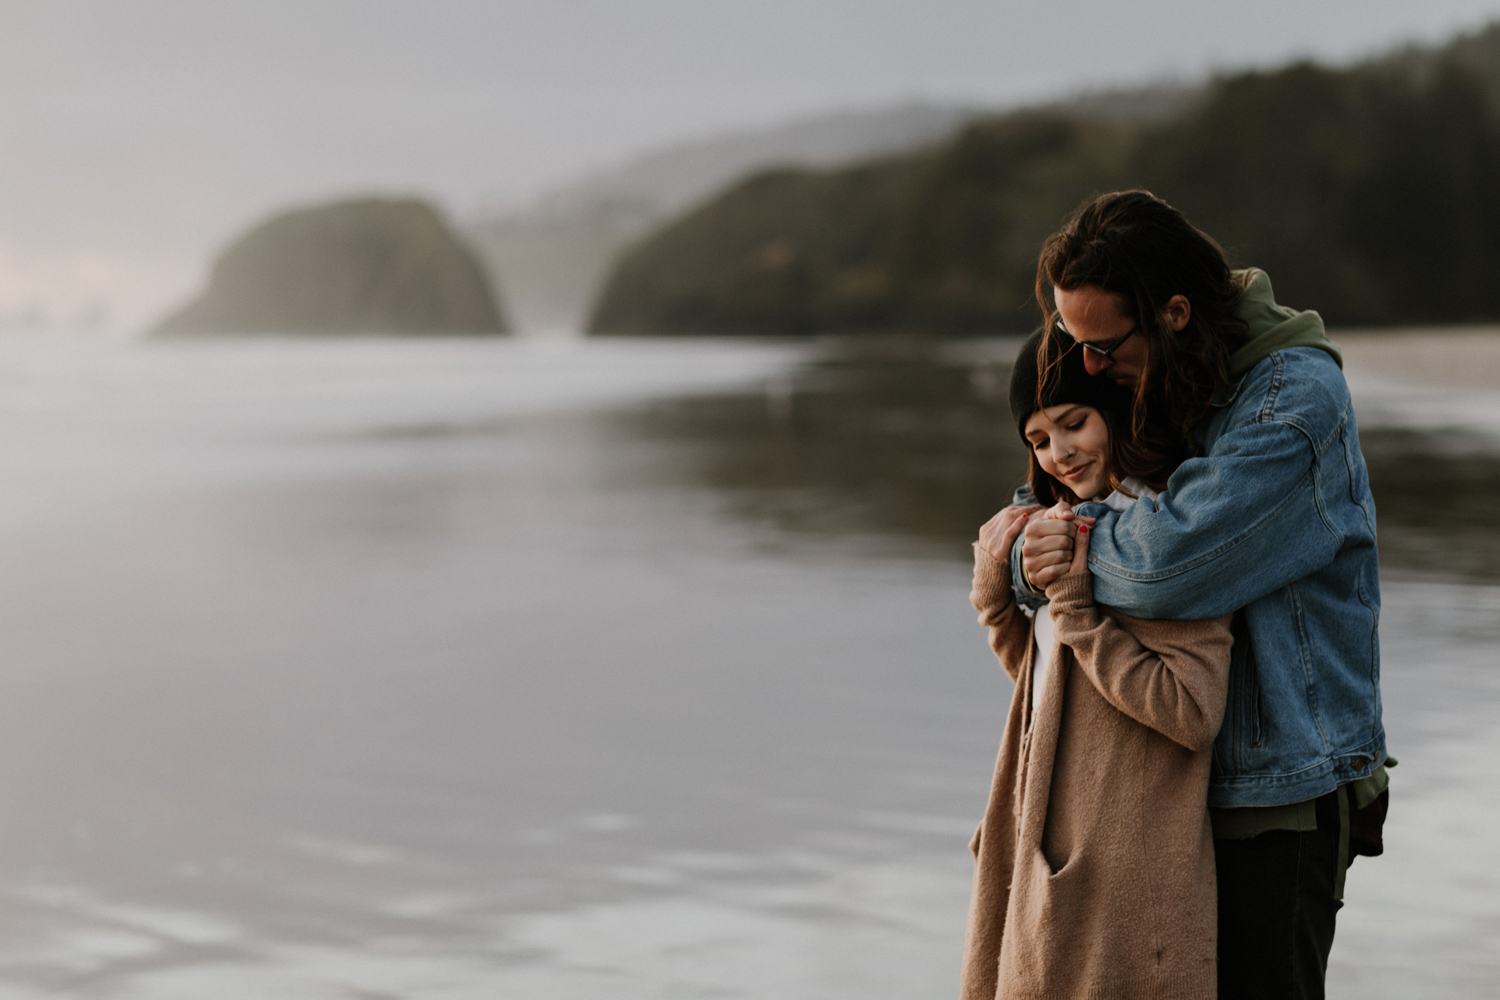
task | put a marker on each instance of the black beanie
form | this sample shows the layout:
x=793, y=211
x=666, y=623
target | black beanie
x=1070, y=384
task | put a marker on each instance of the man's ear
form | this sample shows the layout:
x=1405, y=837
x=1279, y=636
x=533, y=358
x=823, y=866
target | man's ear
x=1177, y=312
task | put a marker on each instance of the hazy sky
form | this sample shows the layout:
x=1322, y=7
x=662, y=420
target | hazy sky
x=140, y=135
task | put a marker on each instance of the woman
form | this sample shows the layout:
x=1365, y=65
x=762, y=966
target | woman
x=1094, y=863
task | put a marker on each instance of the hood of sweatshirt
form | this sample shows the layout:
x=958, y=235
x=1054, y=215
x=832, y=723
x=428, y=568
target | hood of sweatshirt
x=1274, y=327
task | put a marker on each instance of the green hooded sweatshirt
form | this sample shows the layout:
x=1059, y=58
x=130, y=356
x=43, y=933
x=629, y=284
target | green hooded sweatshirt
x=1273, y=327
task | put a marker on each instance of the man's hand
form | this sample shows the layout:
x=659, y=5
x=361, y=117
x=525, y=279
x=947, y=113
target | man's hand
x=1000, y=532
x=1048, y=552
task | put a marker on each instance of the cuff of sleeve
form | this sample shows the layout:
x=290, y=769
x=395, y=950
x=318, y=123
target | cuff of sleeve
x=1076, y=590
x=1023, y=585
x=991, y=588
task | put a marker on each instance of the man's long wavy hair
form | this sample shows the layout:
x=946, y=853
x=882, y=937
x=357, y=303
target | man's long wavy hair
x=1145, y=251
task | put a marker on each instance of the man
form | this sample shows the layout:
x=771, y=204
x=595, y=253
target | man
x=1270, y=517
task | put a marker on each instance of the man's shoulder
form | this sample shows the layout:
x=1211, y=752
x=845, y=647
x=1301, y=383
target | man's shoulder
x=1298, y=385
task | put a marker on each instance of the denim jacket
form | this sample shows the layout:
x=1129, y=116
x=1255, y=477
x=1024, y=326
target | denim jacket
x=1275, y=522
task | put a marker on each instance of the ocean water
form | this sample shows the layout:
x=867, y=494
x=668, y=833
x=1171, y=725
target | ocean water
x=461, y=669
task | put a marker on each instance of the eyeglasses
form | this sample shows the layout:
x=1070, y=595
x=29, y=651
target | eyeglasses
x=1099, y=352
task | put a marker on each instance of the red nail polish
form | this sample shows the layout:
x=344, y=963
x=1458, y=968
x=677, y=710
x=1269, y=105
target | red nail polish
x=1083, y=529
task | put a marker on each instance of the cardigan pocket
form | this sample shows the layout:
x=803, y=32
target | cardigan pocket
x=1066, y=870
x=1040, y=892
x=1042, y=897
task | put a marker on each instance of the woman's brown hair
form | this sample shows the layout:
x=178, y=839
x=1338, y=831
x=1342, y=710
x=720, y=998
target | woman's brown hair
x=1128, y=455
x=1145, y=251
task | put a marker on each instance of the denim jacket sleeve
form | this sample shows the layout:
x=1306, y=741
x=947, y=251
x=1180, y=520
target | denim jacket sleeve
x=1238, y=523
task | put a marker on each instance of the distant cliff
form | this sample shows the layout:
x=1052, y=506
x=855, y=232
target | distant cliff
x=366, y=266
x=1370, y=193
x=941, y=240
x=553, y=255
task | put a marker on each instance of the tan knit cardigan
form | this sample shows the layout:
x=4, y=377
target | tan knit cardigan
x=1094, y=865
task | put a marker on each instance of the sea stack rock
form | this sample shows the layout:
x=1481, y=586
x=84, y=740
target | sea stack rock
x=366, y=266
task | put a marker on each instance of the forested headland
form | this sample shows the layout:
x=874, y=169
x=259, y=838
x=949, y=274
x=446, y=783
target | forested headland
x=1370, y=193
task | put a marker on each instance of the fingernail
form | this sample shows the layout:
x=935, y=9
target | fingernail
x=1083, y=529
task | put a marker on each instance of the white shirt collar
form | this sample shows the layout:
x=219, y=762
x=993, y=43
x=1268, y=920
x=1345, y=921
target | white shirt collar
x=1121, y=502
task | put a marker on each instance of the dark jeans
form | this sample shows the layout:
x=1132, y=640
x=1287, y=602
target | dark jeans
x=1276, y=910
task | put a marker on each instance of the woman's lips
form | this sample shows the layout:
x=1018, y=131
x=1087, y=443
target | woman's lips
x=1075, y=473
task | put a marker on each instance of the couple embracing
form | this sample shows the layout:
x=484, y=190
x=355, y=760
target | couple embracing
x=1186, y=595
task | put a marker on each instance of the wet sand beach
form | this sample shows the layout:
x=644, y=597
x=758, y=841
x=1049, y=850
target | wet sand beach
x=635, y=669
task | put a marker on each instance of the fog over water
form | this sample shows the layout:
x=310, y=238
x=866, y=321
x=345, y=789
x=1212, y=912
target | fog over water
x=452, y=669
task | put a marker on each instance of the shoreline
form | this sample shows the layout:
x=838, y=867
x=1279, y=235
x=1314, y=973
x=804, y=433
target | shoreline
x=1466, y=357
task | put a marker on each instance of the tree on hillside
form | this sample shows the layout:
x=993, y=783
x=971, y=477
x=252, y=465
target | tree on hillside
x=1371, y=194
